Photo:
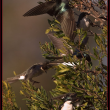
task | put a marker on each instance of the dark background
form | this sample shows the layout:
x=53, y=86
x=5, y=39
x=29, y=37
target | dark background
x=21, y=37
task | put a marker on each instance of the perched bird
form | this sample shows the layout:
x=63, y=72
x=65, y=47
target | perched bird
x=84, y=22
x=80, y=55
x=67, y=105
x=59, y=44
x=70, y=101
x=34, y=71
x=62, y=12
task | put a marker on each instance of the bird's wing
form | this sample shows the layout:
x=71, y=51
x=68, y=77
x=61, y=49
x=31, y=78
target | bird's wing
x=34, y=71
x=68, y=24
x=85, y=40
x=59, y=43
x=47, y=7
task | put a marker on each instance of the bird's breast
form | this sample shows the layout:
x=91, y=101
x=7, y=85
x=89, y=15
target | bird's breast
x=67, y=106
x=85, y=24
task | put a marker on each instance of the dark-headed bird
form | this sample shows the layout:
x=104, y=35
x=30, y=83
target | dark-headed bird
x=70, y=101
x=67, y=105
x=34, y=71
x=62, y=12
x=84, y=22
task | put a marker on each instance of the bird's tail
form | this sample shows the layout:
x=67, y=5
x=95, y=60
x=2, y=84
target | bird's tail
x=16, y=78
x=12, y=79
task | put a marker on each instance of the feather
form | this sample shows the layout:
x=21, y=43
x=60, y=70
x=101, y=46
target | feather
x=47, y=7
x=67, y=23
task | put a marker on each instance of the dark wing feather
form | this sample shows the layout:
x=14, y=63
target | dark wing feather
x=59, y=43
x=47, y=7
x=85, y=40
x=68, y=23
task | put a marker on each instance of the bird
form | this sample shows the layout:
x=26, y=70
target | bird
x=70, y=101
x=84, y=22
x=33, y=71
x=67, y=105
x=59, y=44
x=62, y=12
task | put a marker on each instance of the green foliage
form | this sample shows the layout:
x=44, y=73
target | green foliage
x=49, y=50
x=101, y=41
x=54, y=27
x=9, y=102
x=81, y=79
x=36, y=98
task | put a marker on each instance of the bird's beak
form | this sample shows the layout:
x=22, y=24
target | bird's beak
x=43, y=70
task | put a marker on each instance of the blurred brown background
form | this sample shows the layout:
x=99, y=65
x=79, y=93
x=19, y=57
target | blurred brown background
x=21, y=37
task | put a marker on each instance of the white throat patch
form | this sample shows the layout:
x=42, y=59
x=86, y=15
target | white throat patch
x=67, y=106
x=85, y=24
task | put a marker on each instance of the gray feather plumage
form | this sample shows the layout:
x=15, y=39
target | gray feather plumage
x=34, y=71
x=60, y=43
